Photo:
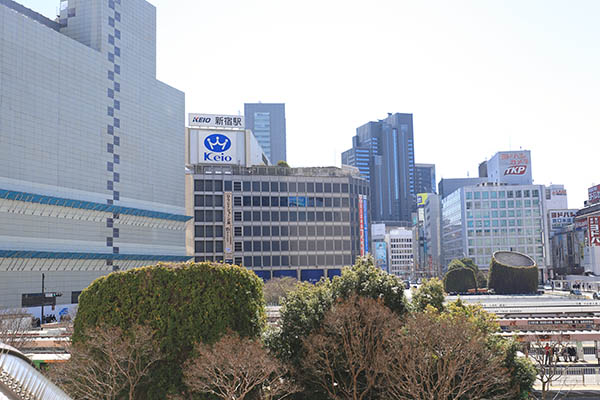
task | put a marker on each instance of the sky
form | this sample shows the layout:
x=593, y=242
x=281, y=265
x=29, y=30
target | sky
x=479, y=76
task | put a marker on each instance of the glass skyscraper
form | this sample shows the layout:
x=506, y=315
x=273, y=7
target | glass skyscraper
x=383, y=151
x=267, y=123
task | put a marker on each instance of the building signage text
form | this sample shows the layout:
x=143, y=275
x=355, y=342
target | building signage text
x=594, y=231
x=217, y=121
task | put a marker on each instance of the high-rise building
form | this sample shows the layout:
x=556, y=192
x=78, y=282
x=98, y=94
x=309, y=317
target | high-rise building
x=425, y=178
x=92, y=148
x=267, y=122
x=402, y=253
x=384, y=153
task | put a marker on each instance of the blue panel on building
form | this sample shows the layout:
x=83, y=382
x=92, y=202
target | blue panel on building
x=279, y=273
x=333, y=272
x=264, y=275
x=311, y=275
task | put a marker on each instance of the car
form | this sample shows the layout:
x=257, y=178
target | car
x=596, y=295
x=576, y=292
x=406, y=284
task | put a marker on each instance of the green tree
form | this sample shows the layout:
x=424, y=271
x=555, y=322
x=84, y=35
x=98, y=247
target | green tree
x=182, y=304
x=459, y=280
x=431, y=292
x=282, y=163
x=305, y=308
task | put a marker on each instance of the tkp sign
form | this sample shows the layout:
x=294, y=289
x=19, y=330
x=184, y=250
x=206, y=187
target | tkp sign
x=515, y=170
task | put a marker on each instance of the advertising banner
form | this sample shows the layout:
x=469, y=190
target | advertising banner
x=366, y=222
x=217, y=121
x=361, y=227
x=381, y=255
x=228, y=226
x=378, y=231
x=594, y=194
x=561, y=218
x=422, y=199
x=594, y=231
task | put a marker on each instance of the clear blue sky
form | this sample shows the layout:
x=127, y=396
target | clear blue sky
x=479, y=75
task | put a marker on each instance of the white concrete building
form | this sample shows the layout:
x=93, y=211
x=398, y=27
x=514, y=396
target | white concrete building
x=402, y=252
x=91, y=148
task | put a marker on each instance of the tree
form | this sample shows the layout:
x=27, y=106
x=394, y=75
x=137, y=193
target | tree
x=14, y=325
x=544, y=355
x=444, y=356
x=234, y=368
x=346, y=357
x=431, y=292
x=109, y=365
x=182, y=303
x=277, y=288
x=304, y=309
x=282, y=163
x=459, y=280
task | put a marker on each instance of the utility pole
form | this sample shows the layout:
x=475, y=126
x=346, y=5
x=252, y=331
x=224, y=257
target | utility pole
x=43, y=298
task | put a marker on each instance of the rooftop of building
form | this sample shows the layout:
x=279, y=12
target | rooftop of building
x=273, y=170
x=31, y=14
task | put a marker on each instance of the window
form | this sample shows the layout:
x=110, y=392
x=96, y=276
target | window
x=247, y=186
x=265, y=186
x=237, y=231
x=237, y=216
x=228, y=186
x=247, y=231
x=274, y=187
x=247, y=201
x=237, y=201
x=237, y=186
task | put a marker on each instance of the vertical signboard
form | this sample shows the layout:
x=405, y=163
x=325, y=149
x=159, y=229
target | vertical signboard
x=361, y=223
x=366, y=222
x=228, y=228
x=381, y=255
x=594, y=231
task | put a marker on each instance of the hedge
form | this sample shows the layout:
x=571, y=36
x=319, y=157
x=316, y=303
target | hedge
x=459, y=280
x=506, y=279
x=183, y=303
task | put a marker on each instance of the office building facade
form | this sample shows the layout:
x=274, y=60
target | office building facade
x=91, y=161
x=384, y=153
x=267, y=123
x=425, y=178
x=402, y=253
x=278, y=221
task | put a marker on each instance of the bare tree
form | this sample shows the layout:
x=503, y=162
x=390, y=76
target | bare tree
x=235, y=367
x=110, y=362
x=14, y=327
x=545, y=356
x=277, y=288
x=346, y=358
x=444, y=357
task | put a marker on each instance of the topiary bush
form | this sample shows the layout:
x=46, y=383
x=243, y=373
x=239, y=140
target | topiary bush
x=507, y=277
x=182, y=303
x=459, y=280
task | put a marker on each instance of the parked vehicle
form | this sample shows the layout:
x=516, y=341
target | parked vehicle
x=576, y=292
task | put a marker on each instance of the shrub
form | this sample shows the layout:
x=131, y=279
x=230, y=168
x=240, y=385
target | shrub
x=459, y=280
x=506, y=279
x=430, y=293
x=182, y=304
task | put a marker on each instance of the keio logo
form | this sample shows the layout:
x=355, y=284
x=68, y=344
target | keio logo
x=217, y=145
x=516, y=170
x=217, y=142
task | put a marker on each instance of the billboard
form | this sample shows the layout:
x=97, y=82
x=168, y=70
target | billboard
x=511, y=167
x=594, y=231
x=366, y=222
x=422, y=199
x=561, y=218
x=594, y=194
x=213, y=147
x=228, y=226
x=381, y=255
x=361, y=225
x=378, y=231
x=216, y=121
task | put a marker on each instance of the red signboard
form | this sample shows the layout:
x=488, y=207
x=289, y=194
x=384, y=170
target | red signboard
x=361, y=221
x=594, y=231
x=594, y=194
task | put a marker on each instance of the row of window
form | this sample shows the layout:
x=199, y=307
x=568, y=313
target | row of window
x=503, y=194
x=504, y=232
x=292, y=216
x=476, y=205
x=504, y=241
x=504, y=213
x=207, y=185
x=210, y=231
x=298, y=260
x=503, y=223
x=210, y=246
x=531, y=250
x=209, y=200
